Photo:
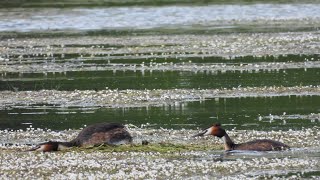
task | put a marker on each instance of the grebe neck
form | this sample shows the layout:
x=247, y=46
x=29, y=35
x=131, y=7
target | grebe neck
x=228, y=143
x=66, y=145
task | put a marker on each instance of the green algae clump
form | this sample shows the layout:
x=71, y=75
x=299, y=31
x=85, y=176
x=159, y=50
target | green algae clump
x=152, y=147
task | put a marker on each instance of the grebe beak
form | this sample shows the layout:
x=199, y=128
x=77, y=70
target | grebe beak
x=203, y=133
x=37, y=148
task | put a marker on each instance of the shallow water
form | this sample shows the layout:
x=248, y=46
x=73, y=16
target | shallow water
x=302, y=161
x=159, y=73
x=166, y=72
x=98, y=80
x=207, y=17
x=260, y=113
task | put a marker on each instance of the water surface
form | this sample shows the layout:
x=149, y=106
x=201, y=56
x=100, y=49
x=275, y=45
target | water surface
x=266, y=54
x=206, y=17
x=269, y=113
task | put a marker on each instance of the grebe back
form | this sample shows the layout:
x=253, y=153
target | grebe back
x=255, y=145
x=96, y=134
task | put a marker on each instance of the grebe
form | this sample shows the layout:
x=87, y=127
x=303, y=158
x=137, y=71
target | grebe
x=255, y=145
x=96, y=134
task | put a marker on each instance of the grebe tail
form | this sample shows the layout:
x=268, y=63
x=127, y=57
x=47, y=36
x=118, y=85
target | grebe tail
x=52, y=146
x=96, y=134
x=255, y=145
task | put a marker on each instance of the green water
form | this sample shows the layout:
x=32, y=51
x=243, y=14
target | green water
x=99, y=80
x=168, y=79
x=60, y=45
x=288, y=112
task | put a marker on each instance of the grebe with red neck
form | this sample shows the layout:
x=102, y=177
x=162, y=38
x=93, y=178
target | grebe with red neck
x=255, y=145
x=96, y=134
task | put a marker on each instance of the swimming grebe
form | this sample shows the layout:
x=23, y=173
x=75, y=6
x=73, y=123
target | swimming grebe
x=255, y=145
x=96, y=134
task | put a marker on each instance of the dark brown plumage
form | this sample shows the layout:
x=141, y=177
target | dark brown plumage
x=96, y=134
x=255, y=145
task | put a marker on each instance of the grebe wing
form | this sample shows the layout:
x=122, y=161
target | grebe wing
x=261, y=145
x=98, y=128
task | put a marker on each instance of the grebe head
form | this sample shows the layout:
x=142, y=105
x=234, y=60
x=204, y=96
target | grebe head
x=48, y=146
x=214, y=130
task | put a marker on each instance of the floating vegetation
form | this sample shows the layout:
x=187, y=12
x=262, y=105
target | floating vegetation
x=253, y=67
x=161, y=140
x=189, y=158
x=141, y=98
x=152, y=147
x=165, y=46
x=191, y=67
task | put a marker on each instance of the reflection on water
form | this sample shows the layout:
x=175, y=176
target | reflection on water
x=281, y=158
x=99, y=80
x=213, y=16
x=293, y=152
x=88, y=63
x=269, y=113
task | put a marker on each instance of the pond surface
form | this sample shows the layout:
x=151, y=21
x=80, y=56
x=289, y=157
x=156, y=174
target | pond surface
x=208, y=17
x=166, y=72
x=260, y=113
x=97, y=80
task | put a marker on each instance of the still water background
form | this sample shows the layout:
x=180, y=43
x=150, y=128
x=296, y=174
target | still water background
x=262, y=113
